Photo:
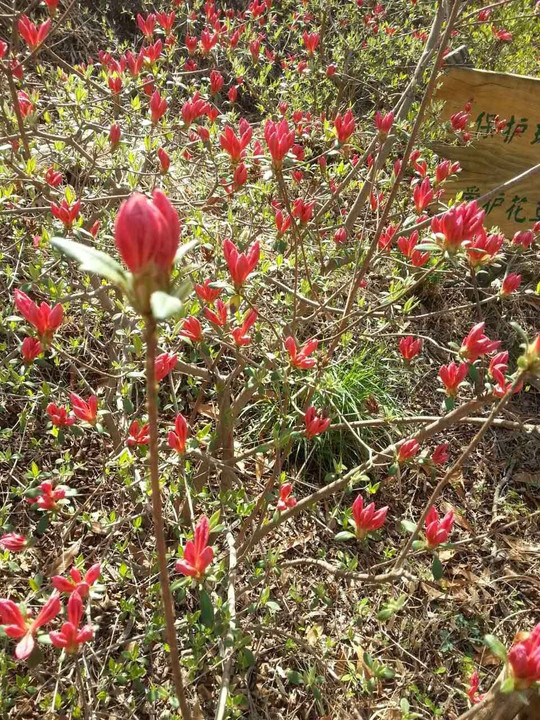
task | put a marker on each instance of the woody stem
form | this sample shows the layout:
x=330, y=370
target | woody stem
x=157, y=513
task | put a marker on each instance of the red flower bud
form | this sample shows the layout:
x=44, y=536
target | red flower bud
x=164, y=160
x=13, y=542
x=30, y=349
x=165, y=363
x=147, y=232
x=524, y=659
x=407, y=450
x=437, y=530
x=115, y=133
x=510, y=284
x=409, y=347
x=367, y=519
x=84, y=410
x=177, y=437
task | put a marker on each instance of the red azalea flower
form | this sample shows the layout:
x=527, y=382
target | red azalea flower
x=84, y=410
x=59, y=415
x=177, y=437
x=239, y=334
x=476, y=344
x=285, y=498
x=197, y=554
x=437, y=530
x=240, y=264
x=300, y=357
x=76, y=581
x=70, y=636
x=206, y=293
x=191, y=329
x=315, y=422
x=31, y=348
x=20, y=626
x=138, y=434
x=452, y=376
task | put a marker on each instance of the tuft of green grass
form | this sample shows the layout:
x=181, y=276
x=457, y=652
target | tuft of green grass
x=363, y=387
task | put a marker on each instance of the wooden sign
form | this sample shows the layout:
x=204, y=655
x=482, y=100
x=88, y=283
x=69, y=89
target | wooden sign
x=493, y=158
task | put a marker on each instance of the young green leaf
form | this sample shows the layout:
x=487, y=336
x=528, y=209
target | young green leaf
x=507, y=685
x=437, y=568
x=207, y=610
x=164, y=305
x=92, y=260
x=183, y=250
x=408, y=526
x=496, y=647
x=344, y=535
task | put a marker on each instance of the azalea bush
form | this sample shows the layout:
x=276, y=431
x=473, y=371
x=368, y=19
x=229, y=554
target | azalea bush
x=265, y=387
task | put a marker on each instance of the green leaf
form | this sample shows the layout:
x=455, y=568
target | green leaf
x=207, y=610
x=344, y=535
x=520, y=331
x=473, y=373
x=294, y=677
x=182, y=290
x=42, y=525
x=437, y=568
x=183, y=250
x=214, y=520
x=408, y=526
x=92, y=260
x=496, y=647
x=429, y=246
x=392, y=607
x=507, y=685
x=164, y=305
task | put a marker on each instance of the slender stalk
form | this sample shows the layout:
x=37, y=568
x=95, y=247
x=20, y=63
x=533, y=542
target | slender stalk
x=168, y=607
x=228, y=643
x=82, y=690
x=18, y=114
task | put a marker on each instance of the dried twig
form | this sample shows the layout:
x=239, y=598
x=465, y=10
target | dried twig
x=228, y=643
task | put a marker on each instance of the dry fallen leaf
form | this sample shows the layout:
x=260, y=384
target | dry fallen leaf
x=61, y=563
x=527, y=478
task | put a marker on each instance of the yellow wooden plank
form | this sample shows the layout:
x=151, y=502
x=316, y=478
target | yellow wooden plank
x=491, y=160
x=515, y=98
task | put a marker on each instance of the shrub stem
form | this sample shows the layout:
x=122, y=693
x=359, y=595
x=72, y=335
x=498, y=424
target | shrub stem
x=168, y=607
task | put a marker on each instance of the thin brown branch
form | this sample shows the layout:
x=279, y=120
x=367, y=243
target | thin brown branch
x=365, y=578
x=452, y=471
x=157, y=512
x=228, y=643
x=350, y=477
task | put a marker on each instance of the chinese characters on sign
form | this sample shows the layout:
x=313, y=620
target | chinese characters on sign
x=516, y=208
x=511, y=105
